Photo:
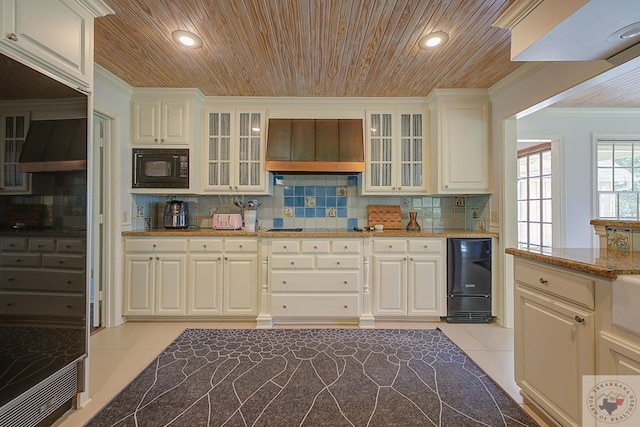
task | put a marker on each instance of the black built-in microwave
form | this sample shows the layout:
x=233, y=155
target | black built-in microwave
x=160, y=168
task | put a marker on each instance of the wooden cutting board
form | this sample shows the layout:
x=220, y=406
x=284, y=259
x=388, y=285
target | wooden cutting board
x=387, y=215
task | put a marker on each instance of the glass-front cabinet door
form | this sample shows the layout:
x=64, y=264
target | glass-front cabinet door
x=395, y=153
x=14, y=133
x=235, y=152
x=218, y=157
x=250, y=151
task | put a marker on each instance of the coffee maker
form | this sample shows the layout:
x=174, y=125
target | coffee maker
x=176, y=214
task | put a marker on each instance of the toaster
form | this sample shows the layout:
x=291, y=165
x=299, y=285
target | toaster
x=227, y=221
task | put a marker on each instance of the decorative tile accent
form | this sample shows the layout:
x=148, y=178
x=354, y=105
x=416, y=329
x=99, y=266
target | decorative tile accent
x=331, y=212
x=619, y=238
x=288, y=212
x=342, y=191
x=310, y=201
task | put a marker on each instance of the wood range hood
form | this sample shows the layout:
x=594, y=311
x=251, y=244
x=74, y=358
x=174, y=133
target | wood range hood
x=315, y=146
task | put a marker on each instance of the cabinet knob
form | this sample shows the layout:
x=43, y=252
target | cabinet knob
x=39, y=246
x=293, y=263
x=155, y=139
x=157, y=258
x=410, y=259
x=426, y=246
x=346, y=247
x=346, y=306
x=345, y=282
x=10, y=279
x=68, y=246
x=154, y=245
x=150, y=257
x=284, y=247
x=204, y=246
x=226, y=259
x=9, y=304
x=11, y=245
x=446, y=186
x=284, y=306
x=579, y=319
x=13, y=37
x=543, y=281
x=69, y=282
x=240, y=246
x=399, y=188
x=390, y=246
x=60, y=261
x=338, y=262
x=18, y=260
x=315, y=247
x=162, y=140
x=69, y=306
x=284, y=282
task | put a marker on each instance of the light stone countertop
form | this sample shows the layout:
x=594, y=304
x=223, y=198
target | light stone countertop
x=320, y=233
x=609, y=263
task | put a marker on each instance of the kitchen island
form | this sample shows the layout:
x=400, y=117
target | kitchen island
x=575, y=316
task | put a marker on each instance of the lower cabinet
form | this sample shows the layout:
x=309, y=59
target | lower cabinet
x=554, y=338
x=154, y=280
x=408, y=278
x=315, y=278
x=193, y=277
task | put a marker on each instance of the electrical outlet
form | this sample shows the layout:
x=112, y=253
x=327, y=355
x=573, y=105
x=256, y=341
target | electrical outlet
x=494, y=216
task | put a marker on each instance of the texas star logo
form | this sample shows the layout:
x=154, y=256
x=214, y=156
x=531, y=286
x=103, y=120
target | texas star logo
x=611, y=401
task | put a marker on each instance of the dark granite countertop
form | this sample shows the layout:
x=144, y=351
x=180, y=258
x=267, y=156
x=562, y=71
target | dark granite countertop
x=609, y=263
x=43, y=233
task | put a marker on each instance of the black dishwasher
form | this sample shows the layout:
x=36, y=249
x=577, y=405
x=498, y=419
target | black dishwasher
x=469, y=280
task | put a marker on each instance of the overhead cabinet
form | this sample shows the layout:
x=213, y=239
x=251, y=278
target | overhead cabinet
x=55, y=35
x=396, y=153
x=162, y=121
x=460, y=145
x=233, y=153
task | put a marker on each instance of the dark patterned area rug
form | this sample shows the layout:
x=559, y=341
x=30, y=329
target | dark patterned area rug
x=312, y=377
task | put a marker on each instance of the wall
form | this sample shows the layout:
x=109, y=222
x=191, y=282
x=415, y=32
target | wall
x=322, y=201
x=578, y=128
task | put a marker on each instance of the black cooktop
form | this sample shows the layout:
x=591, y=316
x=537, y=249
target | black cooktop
x=285, y=230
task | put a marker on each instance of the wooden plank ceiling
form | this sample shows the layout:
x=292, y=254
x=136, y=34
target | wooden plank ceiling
x=320, y=48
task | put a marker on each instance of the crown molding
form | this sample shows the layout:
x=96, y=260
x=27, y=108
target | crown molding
x=515, y=13
x=112, y=80
x=588, y=112
x=96, y=7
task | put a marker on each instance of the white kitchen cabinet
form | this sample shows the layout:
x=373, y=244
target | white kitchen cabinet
x=223, y=277
x=54, y=35
x=162, y=121
x=554, y=338
x=396, y=153
x=315, y=279
x=13, y=130
x=460, y=143
x=155, y=277
x=408, y=278
x=234, y=152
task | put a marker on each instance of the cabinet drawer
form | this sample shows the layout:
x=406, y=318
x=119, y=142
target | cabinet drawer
x=285, y=247
x=389, y=246
x=63, y=261
x=573, y=287
x=14, y=244
x=205, y=245
x=315, y=247
x=40, y=280
x=296, y=263
x=346, y=247
x=70, y=245
x=41, y=245
x=426, y=246
x=316, y=306
x=42, y=304
x=339, y=263
x=156, y=245
x=293, y=281
x=241, y=245
x=20, y=260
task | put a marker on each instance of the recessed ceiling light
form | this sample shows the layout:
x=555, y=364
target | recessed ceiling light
x=187, y=39
x=434, y=39
x=628, y=32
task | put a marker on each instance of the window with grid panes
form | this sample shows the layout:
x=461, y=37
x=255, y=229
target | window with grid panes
x=381, y=149
x=411, y=160
x=618, y=178
x=534, y=196
x=249, y=149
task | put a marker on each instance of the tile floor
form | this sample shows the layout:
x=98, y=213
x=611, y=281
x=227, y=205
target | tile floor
x=118, y=354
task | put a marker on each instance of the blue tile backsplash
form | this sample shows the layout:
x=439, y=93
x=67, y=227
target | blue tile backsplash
x=321, y=201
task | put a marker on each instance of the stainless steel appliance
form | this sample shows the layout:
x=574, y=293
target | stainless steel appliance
x=176, y=214
x=469, y=280
x=160, y=168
